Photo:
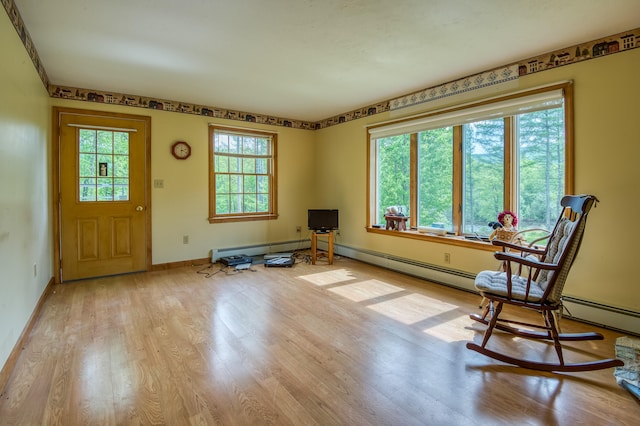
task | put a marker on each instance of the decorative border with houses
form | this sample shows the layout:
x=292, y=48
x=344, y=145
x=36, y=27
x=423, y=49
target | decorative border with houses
x=88, y=95
x=581, y=52
x=21, y=29
x=585, y=51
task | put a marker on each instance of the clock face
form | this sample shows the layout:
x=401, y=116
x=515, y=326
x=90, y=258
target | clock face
x=181, y=150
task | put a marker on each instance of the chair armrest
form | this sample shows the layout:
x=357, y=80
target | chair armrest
x=526, y=261
x=532, y=243
x=526, y=249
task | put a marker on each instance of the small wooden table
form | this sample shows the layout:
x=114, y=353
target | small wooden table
x=314, y=246
x=396, y=223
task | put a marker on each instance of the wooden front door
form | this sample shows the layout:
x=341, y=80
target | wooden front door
x=103, y=203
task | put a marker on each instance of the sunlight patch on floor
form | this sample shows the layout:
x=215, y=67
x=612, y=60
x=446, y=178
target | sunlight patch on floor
x=412, y=308
x=329, y=277
x=95, y=359
x=455, y=330
x=365, y=290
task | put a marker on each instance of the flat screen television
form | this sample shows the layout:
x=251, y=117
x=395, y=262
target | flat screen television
x=322, y=220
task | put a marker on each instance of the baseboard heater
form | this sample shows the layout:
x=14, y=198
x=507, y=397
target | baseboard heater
x=260, y=249
x=614, y=318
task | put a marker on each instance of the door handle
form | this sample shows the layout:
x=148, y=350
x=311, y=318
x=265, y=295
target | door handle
x=139, y=208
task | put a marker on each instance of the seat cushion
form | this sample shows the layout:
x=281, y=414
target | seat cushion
x=496, y=283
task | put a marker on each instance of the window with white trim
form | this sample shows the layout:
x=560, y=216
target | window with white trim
x=458, y=168
x=242, y=174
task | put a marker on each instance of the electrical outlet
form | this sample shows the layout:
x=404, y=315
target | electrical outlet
x=185, y=239
x=447, y=258
x=298, y=228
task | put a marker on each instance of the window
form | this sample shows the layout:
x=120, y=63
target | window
x=460, y=167
x=103, y=165
x=435, y=176
x=483, y=155
x=393, y=174
x=242, y=177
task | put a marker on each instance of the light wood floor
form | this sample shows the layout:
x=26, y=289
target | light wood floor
x=347, y=344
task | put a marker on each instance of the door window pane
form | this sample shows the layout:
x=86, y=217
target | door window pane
x=87, y=141
x=103, y=165
x=105, y=142
x=87, y=189
x=105, y=189
x=121, y=143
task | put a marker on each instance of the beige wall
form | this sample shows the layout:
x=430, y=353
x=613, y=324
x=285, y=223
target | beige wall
x=607, y=148
x=25, y=217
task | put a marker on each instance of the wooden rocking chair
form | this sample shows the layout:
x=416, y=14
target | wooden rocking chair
x=533, y=278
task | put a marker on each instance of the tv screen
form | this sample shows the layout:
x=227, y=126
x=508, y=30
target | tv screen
x=322, y=219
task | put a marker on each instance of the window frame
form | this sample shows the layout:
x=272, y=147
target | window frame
x=510, y=184
x=272, y=212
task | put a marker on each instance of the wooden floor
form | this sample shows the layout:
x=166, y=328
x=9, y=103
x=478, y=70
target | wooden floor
x=347, y=344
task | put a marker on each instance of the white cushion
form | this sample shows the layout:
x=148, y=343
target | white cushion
x=496, y=283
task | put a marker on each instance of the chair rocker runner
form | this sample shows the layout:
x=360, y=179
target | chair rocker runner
x=533, y=278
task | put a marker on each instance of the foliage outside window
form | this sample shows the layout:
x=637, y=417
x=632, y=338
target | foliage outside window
x=242, y=174
x=103, y=157
x=460, y=168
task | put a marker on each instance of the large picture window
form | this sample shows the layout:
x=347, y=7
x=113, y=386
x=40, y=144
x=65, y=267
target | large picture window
x=458, y=168
x=242, y=174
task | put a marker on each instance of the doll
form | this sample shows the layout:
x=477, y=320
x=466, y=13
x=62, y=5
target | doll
x=508, y=220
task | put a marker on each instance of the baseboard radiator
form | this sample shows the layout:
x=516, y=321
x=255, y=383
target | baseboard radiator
x=611, y=317
x=260, y=249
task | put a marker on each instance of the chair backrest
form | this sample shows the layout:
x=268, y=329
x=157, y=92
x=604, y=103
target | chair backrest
x=564, y=244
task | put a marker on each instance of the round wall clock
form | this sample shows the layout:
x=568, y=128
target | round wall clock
x=181, y=150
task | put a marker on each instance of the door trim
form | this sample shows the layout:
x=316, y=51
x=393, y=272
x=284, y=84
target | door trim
x=55, y=137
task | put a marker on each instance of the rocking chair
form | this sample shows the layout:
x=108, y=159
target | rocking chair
x=533, y=278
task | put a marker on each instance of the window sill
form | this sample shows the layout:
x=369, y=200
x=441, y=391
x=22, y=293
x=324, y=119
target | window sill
x=453, y=240
x=242, y=218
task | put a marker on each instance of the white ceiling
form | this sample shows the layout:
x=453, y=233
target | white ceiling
x=301, y=59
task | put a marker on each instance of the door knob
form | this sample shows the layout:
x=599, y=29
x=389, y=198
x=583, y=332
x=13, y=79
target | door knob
x=139, y=208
